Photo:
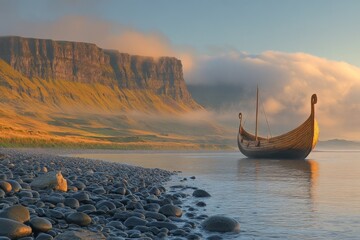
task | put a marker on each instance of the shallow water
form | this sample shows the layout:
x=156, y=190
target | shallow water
x=318, y=198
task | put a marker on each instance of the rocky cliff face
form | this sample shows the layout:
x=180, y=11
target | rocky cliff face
x=163, y=75
x=87, y=63
x=47, y=59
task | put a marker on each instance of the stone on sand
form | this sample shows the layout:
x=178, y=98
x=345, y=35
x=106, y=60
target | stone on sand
x=201, y=193
x=170, y=210
x=13, y=229
x=40, y=224
x=79, y=218
x=220, y=223
x=5, y=186
x=17, y=213
x=51, y=180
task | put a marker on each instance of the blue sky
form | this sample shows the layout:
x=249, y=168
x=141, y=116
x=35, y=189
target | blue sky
x=325, y=28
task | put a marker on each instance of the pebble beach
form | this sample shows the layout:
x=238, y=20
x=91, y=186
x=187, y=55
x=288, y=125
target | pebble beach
x=44, y=196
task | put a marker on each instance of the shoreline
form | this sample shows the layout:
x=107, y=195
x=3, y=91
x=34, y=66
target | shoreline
x=74, y=151
x=122, y=201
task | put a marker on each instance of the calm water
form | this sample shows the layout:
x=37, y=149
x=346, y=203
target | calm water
x=318, y=198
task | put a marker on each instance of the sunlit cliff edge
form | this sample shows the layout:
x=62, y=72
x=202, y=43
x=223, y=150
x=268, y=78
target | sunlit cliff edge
x=72, y=94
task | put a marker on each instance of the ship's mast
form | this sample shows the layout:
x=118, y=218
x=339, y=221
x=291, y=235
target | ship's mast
x=257, y=110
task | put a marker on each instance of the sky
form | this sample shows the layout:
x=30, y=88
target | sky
x=325, y=28
x=290, y=48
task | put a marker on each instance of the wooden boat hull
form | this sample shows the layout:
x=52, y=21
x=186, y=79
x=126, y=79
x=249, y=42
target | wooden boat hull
x=296, y=144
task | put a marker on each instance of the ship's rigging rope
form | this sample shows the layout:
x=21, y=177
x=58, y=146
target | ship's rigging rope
x=263, y=110
x=267, y=122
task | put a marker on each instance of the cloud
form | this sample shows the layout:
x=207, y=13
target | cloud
x=103, y=33
x=286, y=82
x=273, y=106
x=148, y=44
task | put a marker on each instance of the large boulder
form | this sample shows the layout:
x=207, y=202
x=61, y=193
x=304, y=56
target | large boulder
x=17, y=213
x=220, y=223
x=51, y=180
x=13, y=229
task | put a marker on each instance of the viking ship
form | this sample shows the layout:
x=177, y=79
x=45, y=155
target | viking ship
x=296, y=144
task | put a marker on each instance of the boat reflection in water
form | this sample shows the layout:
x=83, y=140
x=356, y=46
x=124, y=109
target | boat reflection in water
x=280, y=196
x=286, y=178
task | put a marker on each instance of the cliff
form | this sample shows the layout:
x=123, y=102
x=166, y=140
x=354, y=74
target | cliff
x=86, y=63
x=163, y=76
x=57, y=93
